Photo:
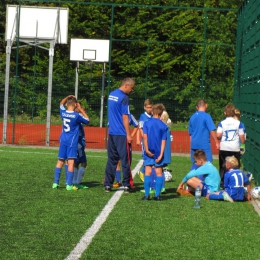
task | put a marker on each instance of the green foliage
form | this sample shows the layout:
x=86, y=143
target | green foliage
x=178, y=55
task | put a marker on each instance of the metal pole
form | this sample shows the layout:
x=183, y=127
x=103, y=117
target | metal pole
x=102, y=94
x=147, y=69
x=48, y=121
x=203, y=54
x=7, y=75
x=77, y=80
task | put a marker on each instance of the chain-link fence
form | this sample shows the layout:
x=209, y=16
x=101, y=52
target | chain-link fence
x=178, y=88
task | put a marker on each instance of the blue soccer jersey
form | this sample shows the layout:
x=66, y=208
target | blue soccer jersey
x=144, y=117
x=118, y=105
x=200, y=126
x=70, y=126
x=234, y=182
x=210, y=173
x=156, y=131
x=167, y=151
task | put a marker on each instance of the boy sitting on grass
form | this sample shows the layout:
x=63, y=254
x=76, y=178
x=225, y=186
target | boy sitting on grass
x=211, y=182
x=234, y=182
x=154, y=135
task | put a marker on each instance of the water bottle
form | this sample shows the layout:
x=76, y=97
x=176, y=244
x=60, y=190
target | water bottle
x=197, y=197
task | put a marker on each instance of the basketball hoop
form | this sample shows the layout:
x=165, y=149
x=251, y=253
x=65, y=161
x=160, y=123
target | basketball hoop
x=89, y=64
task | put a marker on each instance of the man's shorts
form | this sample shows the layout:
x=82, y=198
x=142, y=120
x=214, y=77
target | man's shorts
x=67, y=152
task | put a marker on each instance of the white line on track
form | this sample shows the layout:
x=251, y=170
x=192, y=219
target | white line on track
x=91, y=232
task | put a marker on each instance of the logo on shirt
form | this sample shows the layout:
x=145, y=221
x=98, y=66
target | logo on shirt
x=113, y=98
x=68, y=115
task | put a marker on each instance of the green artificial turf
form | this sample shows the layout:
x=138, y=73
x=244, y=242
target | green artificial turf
x=38, y=222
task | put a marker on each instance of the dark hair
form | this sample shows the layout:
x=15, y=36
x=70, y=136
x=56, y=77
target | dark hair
x=230, y=110
x=158, y=109
x=200, y=154
x=148, y=102
x=201, y=103
x=71, y=101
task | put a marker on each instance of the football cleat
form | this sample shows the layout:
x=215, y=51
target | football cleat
x=71, y=187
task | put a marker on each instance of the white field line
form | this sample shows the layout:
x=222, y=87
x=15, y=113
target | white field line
x=91, y=232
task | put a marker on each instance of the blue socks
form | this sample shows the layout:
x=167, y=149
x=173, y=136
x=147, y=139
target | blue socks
x=216, y=196
x=70, y=178
x=153, y=179
x=159, y=182
x=57, y=172
x=147, y=182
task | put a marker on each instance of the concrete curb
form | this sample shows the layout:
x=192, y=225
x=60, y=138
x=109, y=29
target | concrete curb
x=256, y=205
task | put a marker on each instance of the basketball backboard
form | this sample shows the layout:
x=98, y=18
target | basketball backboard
x=41, y=23
x=89, y=50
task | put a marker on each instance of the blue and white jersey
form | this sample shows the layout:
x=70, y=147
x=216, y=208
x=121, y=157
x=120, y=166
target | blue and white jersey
x=144, y=117
x=200, y=126
x=210, y=173
x=234, y=182
x=132, y=121
x=118, y=105
x=156, y=131
x=70, y=126
x=230, y=129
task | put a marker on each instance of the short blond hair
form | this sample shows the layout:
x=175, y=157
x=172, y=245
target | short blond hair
x=233, y=161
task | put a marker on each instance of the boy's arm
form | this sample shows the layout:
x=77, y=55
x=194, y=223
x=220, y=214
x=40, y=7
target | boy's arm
x=162, y=151
x=82, y=111
x=215, y=138
x=138, y=140
x=146, y=146
x=249, y=192
x=127, y=128
x=242, y=139
x=135, y=131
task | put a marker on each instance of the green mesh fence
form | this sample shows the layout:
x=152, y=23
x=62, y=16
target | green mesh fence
x=247, y=81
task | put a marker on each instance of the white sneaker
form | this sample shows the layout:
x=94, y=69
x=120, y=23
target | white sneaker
x=227, y=197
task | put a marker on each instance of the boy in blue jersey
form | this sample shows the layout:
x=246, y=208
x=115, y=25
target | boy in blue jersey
x=201, y=127
x=119, y=135
x=154, y=135
x=147, y=115
x=211, y=182
x=234, y=182
x=71, y=121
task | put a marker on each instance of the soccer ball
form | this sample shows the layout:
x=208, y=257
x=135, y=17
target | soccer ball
x=167, y=175
x=256, y=192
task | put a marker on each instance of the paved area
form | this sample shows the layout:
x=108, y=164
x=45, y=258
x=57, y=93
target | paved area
x=256, y=205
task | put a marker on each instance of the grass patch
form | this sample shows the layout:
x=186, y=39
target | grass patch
x=38, y=222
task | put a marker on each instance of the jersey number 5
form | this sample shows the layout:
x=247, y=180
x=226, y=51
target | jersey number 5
x=66, y=125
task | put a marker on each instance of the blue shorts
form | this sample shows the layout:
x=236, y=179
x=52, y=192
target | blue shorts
x=208, y=153
x=67, y=152
x=151, y=162
x=81, y=155
x=205, y=189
